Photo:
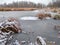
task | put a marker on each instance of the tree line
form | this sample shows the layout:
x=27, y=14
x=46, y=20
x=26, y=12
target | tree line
x=54, y=4
x=22, y=4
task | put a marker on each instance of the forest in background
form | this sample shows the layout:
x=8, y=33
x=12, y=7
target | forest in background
x=54, y=4
x=22, y=4
x=25, y=4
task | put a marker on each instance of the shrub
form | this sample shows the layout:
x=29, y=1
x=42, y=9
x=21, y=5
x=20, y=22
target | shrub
x=57, y=17
x=42, y=16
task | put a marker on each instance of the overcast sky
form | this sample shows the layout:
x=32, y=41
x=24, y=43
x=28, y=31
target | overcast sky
x=35, y=1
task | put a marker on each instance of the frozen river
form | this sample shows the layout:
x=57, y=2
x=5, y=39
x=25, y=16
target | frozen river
x=34, y=28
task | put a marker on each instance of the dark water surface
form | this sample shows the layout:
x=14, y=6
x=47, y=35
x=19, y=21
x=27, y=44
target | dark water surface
x=34, y=28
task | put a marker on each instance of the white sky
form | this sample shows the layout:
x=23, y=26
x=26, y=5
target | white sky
x=35, y=1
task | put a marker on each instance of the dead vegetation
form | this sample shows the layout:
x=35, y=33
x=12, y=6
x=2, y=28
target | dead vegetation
x=57, y=17
x=17, y=9
x=42, y=16
x=11, y=24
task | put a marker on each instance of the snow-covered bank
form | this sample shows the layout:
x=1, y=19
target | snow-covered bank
x=7, y=29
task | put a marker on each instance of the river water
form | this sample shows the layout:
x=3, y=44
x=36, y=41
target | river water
x=34, y=28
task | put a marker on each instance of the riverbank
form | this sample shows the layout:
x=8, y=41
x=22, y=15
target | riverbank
x=17, y=9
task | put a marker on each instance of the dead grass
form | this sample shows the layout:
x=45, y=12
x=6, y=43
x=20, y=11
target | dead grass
x=17, y=9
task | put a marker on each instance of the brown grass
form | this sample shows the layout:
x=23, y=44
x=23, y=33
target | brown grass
x=17, y=9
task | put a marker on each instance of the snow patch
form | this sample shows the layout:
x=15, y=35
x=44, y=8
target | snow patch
x=36, y=11
x=29, y=18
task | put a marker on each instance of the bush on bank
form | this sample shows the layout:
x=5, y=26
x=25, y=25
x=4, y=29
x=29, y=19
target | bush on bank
x=57, y=17
x=42, y=16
